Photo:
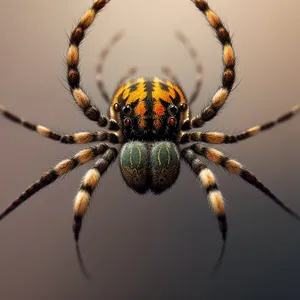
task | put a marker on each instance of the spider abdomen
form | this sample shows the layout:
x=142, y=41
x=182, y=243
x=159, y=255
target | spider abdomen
x=134, y=165
x=164, y=166
x=153, y=166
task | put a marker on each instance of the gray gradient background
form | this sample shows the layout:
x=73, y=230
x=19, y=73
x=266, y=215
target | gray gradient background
x=150, y=247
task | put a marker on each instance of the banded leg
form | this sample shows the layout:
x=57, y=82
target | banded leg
x=228, y=75
x=77, y=138
x=209, y=182
x=87, y=187
x=221, y=138
x=73, y=74
x=99, y=67
x=59, y=170
x=234, y=167
x=214, y=196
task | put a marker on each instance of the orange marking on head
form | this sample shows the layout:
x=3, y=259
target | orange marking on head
x=142, y=123
x=139, y=93
x=180, y=93
x=159, y=93
x=126, y=93
x=159, y=109
x=140, y=109
x=121, y=90
x=176, y=89
x=165, y=95
x=162, y=90
x=156, y=123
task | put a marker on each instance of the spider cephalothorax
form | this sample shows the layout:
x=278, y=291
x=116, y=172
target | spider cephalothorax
x=149, y=109
x=149, y=119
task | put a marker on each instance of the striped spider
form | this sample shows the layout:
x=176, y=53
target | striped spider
x=150, y=119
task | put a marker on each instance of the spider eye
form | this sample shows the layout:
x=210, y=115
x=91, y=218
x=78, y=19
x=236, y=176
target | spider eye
x=126, y=109
x=172, y=121
x=183, y=106
x=127, y=122
x=116, y=107
x=172, y=109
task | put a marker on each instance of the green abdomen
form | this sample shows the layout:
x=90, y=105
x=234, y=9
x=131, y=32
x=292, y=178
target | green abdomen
x=153, y=166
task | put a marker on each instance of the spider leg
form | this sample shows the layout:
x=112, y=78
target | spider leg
x=221, y=138
x=99, y=67
x=209, y=182
x=87, y=187
x=214, y=196
x=73, y=74
x=199, y=70
x=169, y=73
x=59, y=170
x=77, y=138
x=234, y=167
x=83, y=198
x=81, y=263
x=228, y=75
x=130, y=72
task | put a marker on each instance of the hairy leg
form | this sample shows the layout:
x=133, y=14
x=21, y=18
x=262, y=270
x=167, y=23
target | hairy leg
x=87, y=187
x=228, y=74
x=73, y=74
x=222, y=138
x=214, y=195
x=209, y=182
x=77, y=138
x=234, y=167
x=59, y=170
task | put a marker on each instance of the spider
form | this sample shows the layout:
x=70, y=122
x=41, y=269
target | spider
x=150, y=119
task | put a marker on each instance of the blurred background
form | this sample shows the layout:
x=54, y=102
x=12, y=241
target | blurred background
x=150, y=247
